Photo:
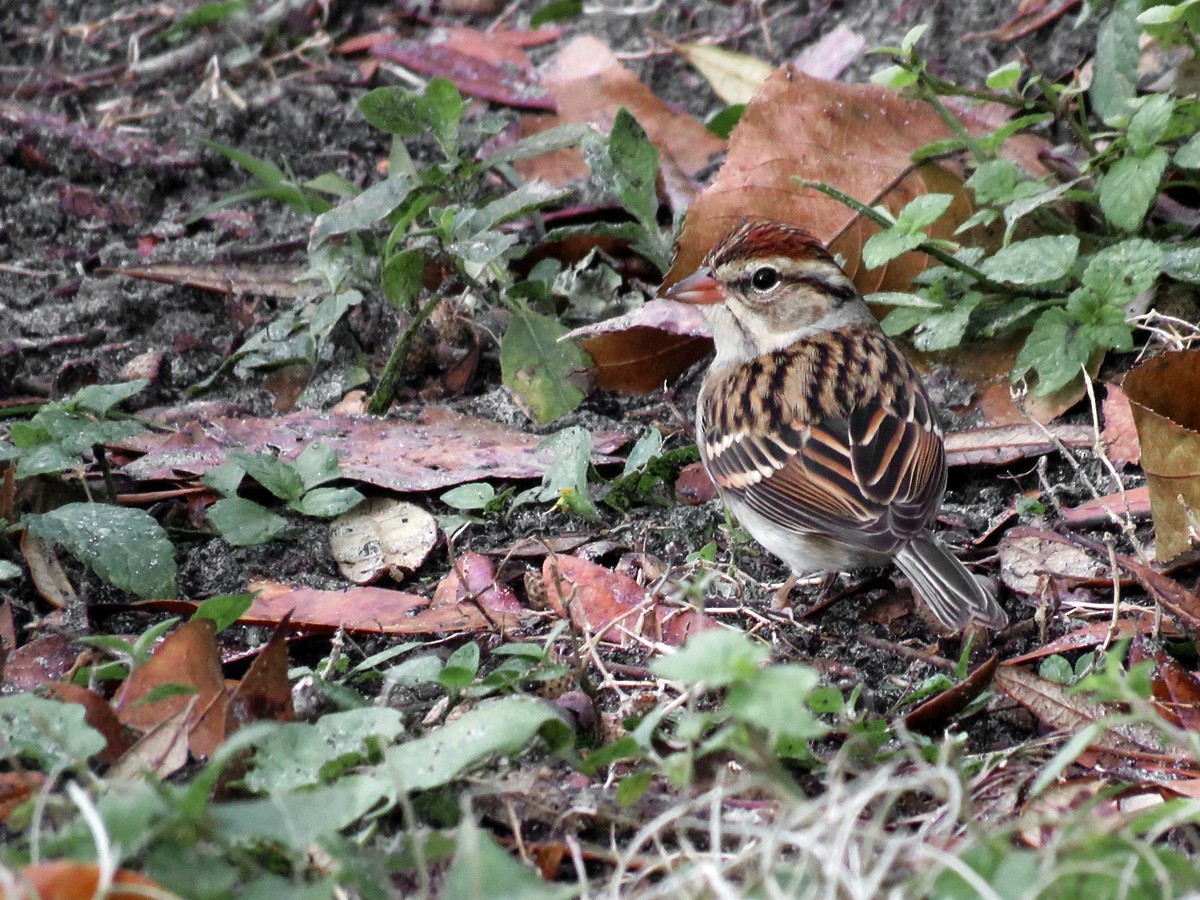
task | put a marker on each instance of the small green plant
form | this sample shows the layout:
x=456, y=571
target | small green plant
x=302, y=485
x=1076, y=293
x=763, y=715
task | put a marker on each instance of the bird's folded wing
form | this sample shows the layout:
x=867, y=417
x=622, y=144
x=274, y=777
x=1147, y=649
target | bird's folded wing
x=871, y=480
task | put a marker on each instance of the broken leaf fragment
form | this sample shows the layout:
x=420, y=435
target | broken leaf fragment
x=382, y=535
x=1165, y=396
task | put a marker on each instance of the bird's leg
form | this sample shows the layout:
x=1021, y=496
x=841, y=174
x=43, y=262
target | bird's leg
x=781, y=598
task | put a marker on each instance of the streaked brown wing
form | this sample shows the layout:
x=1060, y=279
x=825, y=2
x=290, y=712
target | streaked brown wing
x=871, y=480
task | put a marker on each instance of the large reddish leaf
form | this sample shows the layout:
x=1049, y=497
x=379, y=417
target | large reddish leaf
x=589, y=85
x=65, y=880
x=600, y=601
x=441, y=449
x=367, y=609
x=188, y=656
x=1165, y=395
x=472, y=75
x=855, y=137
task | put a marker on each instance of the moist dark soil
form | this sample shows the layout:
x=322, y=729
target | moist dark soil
x=73, y=209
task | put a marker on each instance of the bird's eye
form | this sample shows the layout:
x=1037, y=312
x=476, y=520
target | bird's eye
x=764, y=278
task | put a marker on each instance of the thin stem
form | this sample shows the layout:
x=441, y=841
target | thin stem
x=382, y=398
x=925, y=246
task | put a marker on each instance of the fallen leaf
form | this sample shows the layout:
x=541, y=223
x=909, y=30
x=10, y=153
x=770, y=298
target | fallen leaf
x=123, y=149
x=1030, y=558
x=264, y=694
x=832, y=53
x=160, y=752
x=693, y=487
x=16, y=788
x=187, y=656
x=998, y=445
x=472, y=580
x=1120, y=433
x=1043, y=816
x=935, y=714
x=1176, y=690
x=65, y=880
x=638, y=352
x=470, y=74
x=1029, y=18
x=1177, y=600
x=1063, y=709
x=589, y=85
x=734, y=77
x=40, y=661
x=1133, y=503
x=269, y=280
x=857, y=138
x=440, y=449
x=365, y=609
x=600, y=601
x=1165, y=396
x=1090, y=636
x=382, y=535
x=47, y=573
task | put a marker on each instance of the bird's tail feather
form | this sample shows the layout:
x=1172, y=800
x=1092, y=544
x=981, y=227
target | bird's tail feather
x=952, y=593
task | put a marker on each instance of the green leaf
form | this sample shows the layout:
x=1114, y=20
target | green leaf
x=529, y=196
x=362, y=212
x=461, y=667
x=125, y=547
x=276, y=475
x=224, y=609
x=566, y=477
x=54, y=734
x=776, y=699
x=476, y=495
x=224, y=479
x=945, y=329
x=1188, y=156
x=724, y=121
x=895, y=77
x=714, y=657
x=633, y=787
x=994, y=181
x=921, y=212
x=1182, y=263
x=539, y=368
x=1053, y=351
x=317, y=464
x=648, y=446
x=244, y=523
x=884, y=246
x=395, y=110
x=1006, y=76
x=482, y=869
x=401, y=278
x=1055, y=668
x=1127, y=190
x=1102, y=325
x=300, y=754
x=1149, y=123
x=1124, y=271
x=327, y=502
x=556, y=11
x=1034, y=261
x=298, y=820
x=635, y=163
x=445, y=105
x=100, y=398
x=1114, y=82
x=558, y=138
x=501, y=727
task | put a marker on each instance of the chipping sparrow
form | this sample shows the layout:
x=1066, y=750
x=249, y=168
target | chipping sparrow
x=817, y=431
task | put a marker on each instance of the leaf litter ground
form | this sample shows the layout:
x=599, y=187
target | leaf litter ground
x=72, y=206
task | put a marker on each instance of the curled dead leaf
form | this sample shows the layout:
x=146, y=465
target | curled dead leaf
x=382, y=535
x=1165, y=396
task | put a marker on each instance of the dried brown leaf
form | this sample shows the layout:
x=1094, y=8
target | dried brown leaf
x=934, y=714
x=1165, y=395
x=365, y=609
x=589, y=85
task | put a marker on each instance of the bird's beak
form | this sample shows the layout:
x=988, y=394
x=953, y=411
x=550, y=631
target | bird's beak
x=701, y=287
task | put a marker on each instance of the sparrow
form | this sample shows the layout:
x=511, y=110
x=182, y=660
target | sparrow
x=817, y=431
